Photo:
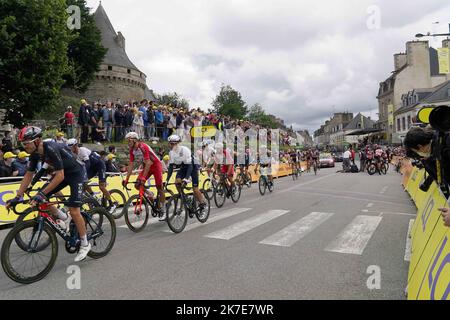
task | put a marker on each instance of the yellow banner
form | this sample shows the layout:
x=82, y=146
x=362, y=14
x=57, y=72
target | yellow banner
x=391, y=114
x=444, y=60
x=203, y=132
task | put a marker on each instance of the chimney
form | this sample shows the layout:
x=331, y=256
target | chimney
x=418, y=54
x=399, y=60
x=120, y=39
x=446, y=43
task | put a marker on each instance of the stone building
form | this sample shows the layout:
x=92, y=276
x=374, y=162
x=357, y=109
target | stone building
x=417, y=68
x=118, y=79
x=336, y=124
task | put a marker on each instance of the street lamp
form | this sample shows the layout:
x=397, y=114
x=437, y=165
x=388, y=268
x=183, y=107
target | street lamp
x=420, y=35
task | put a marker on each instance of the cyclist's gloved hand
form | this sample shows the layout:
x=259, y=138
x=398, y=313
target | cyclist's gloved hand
x=12, y=202
x=39, y=198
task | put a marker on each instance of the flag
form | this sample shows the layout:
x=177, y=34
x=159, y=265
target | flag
x=444, y=60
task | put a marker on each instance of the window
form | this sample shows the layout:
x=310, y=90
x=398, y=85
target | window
x=409, y=122
x=129, y=71
x=403, y=123
x=109, y=68
x=398, y=125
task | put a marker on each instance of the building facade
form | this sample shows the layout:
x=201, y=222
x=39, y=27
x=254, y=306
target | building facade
x=418, y=67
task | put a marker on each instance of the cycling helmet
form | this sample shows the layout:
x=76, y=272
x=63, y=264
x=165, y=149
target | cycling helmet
x=72, y=142
x=60, y=134
x=174, y=139
x=132, y=135
x=30, y=133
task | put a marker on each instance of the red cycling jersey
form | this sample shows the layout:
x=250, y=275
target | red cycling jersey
x=146, y=153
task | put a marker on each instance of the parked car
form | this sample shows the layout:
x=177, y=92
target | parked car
x=326, y=160
x=338, y=157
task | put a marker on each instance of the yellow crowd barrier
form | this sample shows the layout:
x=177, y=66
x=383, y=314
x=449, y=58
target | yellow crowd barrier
x=429, y=270
x=9, y=191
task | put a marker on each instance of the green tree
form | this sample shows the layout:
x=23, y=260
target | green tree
x=33, y=56
x=257, y=115
x=85, y=51
x=229, y=103
x=173, y=99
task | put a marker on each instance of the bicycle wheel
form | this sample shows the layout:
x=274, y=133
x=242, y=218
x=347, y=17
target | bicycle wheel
x=262, y=185
x=101, y=232
x=118, y=198
x=372, y=169
x=220, y=194
x=136, y=213
x=30, y=265
x=177, y=215
x=208, y=188
x=236, y=193
x=203, y=215
x=28, y=214
x=383, y=168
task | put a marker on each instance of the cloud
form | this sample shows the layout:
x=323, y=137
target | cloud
x=300, y=60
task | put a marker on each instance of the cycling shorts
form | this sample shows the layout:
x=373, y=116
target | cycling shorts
x=156, y=171
x=182, y=174
x=76, y=183
x=224, y=169
x=97, y=169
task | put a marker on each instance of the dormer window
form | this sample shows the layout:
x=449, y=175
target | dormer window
x=109, y=68
x=129, y=71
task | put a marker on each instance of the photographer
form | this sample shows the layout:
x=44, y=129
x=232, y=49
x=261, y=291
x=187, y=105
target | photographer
x=420, y=143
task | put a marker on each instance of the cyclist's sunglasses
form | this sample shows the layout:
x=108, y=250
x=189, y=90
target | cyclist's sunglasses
x=26, y=143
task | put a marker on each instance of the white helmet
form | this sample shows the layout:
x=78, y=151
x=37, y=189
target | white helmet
x=72, y=142
x=218, y=146
x=174, y=139
x=132, y=135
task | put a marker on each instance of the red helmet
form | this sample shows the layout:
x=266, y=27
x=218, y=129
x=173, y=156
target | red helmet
x=30, y=133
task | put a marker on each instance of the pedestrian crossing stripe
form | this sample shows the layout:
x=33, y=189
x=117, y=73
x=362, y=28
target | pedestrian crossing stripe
x=355, y=237
x=246, y=225
x=298, y=230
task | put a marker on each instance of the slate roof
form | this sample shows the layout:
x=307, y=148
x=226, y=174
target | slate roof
x=116, y=55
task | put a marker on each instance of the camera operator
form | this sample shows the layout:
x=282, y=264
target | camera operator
x=420, y=143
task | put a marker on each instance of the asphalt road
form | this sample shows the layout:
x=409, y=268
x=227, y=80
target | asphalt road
x=314, y=238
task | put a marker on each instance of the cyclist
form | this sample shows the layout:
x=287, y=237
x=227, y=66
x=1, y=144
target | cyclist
x=264, y=159
x=315, y=155
x=294, y=160
x=208, y=154
x=181, y=157
x=68, y=172
x=244, y=166
x=224, y=158
x=378, y=154
x=95, y=166
x=152, y=167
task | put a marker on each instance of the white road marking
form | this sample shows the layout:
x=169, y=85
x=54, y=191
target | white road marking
x=408, y=241
x=354, y=238
x=246, y=225
x=383, y=190
x=364, y=210
x=216, y=217
x=370, y=205
x=293, y=233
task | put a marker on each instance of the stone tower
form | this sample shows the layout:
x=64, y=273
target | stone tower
x=118, y=78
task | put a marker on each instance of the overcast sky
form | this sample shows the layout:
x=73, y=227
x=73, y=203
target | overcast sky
x=301, y=60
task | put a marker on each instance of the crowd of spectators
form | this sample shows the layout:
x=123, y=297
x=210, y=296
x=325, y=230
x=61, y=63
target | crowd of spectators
x=110, y=122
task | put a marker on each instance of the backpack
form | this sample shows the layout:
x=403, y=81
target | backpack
x=354, y=169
